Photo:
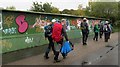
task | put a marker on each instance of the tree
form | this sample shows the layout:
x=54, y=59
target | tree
x=66, y=11
x=11, y=7
x=87, y=11
x=37, y=7
x=107, y=10
x=44, y=7
x=55, y=10
x=119, y=10
x=80, y=6
x=47, y=7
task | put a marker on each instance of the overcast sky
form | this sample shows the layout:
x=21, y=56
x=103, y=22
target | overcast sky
x=26, y=4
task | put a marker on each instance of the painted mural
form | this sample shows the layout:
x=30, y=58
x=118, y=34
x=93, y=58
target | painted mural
x=1, y=27
x=8, y=20
x=10, y=30
x=29, y=40
x=22, y=24
x=6, y=44
x=27, y=28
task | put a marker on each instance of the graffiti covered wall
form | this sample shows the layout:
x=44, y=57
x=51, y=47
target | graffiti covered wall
x=22, y=30
x=22, y=23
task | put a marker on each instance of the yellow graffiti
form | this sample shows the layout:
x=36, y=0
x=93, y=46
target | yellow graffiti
x=8, y=20
x=39, y=29
x=5, y=44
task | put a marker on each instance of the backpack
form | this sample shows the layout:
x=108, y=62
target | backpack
x=48, y=30
x=84, y=27
x=57, y=32
x=106, y=28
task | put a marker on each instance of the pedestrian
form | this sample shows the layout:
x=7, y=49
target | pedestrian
x=106, y=31
x=85, y=31
x=101, y=29
x=110, y=30
x=96, y=31
x=48, y=35
x=58, y=34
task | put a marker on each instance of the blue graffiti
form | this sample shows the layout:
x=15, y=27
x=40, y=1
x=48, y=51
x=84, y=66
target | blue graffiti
x=10, y=31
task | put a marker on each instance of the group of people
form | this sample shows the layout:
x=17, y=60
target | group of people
x=102, y=28
x=99, y=29
x=55, y=32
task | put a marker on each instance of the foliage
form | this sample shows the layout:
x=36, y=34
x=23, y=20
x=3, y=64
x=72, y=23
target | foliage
x=11, y=7
x=37, y=7
x=107, y=10
x=55, y=10
x=44, y=7
x=47, y=7
x=97, y=9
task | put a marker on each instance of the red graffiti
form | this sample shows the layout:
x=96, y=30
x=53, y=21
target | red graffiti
x=22, y=24
x=74, y=22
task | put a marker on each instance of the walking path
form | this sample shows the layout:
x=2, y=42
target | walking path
x=80, y=55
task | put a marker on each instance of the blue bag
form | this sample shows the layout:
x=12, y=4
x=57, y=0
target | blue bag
x=66, y=48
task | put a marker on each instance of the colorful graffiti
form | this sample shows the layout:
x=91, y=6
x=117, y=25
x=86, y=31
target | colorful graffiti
x=9, y=20
x=1, y=27
x=10, y=30
x=22, y=24
x=28, y=40
x=79, y=23
x=39, y=24
x=5, y=44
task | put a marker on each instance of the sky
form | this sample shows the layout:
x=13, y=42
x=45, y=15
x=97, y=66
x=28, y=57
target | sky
x=26, y=4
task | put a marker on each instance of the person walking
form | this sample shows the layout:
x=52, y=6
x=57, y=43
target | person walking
x=101, y=29
x=58, y=34
x=96, y=31
x=48, y=35
x=106, y=31
x=110, y=30
x=85, y=31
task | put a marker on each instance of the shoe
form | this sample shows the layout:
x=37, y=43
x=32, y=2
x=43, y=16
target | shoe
x=64, y=57
x=46, y=57
x=55, y=61
x=106, y=41
x=85, y=43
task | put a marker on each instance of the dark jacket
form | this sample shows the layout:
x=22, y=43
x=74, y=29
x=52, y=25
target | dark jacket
x=48, y=30
x=84, y=27
x=64, y=32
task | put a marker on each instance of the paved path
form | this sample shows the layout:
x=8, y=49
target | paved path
x=90, y=53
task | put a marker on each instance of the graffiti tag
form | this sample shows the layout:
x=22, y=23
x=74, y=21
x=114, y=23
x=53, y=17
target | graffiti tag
x=22, y=24
x=28, y=40
x=5, y=44
x=8, y=20
x=10, y=30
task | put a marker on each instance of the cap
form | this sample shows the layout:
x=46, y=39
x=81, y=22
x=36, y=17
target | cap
x=106, y=22
x=53, y=20
x=84, y=19
x=63, y=20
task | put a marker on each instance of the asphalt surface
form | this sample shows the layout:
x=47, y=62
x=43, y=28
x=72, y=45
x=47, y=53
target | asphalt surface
x=95, y=53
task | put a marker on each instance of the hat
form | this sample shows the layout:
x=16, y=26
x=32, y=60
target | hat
x=84, y=19
x=53, y=20
x=106, y=22
x=63, y=20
